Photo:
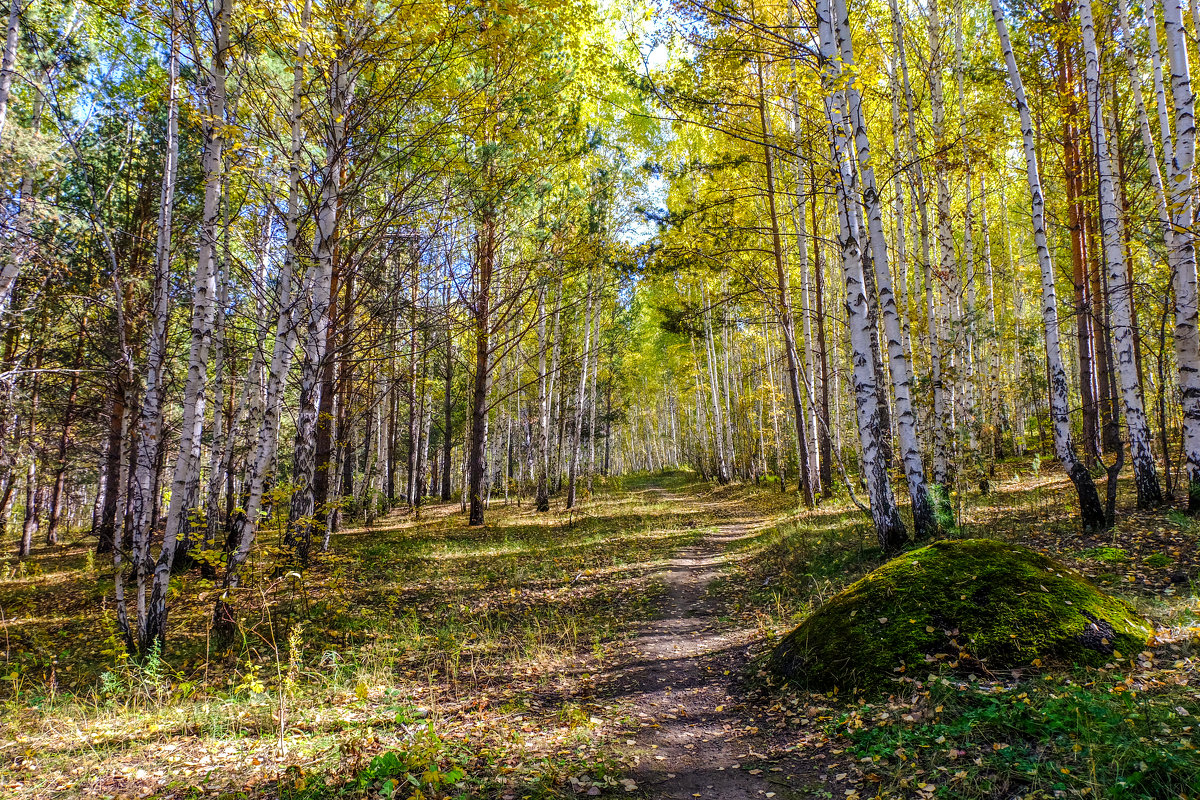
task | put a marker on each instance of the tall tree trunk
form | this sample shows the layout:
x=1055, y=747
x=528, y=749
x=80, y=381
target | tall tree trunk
x=924, y=521
x=152, y=621
x=596, y=312
x=965, y=301
x=581, y=397
x=1090, y=509
x=8, y=68
x=542, y=467
x=1182, y=245
x=324, y=445
x=477, y=458
x=889, y=528
x=447, y=393
x=413, y=411
x=993, y=418
x=937, y=296
x=1145, y=474
x=717, y=418
x=222, y=417
x=33, y=494
x=783, y=302
x=824, y=439
x=301, y=516
x=1086, y=336
x=1160, y=93
x=267, y=437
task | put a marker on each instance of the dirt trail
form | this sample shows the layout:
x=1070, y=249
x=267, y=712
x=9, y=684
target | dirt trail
x=694, y=739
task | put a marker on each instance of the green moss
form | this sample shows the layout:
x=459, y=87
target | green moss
x=1158, y=560
x=1109, y=555
x=972, y=605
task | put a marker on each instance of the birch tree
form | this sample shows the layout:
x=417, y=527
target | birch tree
x=147, y=450
x=1091, y=512
x=924, y=521
x=889, y=528
x=267, y=435
x=153, y=576
x=1181, y=242
x=317, y=288
x=1145, y=473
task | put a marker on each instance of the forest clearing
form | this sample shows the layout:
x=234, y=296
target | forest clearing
x=568, y=398
x=620, y=649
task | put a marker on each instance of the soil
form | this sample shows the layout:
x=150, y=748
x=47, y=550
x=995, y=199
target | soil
x=696, y=736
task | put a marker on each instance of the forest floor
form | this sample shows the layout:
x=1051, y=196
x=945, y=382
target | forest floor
x=612, y=651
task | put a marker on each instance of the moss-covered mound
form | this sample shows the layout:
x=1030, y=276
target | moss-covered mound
x=974, y=605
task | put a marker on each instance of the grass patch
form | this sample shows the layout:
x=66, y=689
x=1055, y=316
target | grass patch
x=471, y=654
x=1038, y=738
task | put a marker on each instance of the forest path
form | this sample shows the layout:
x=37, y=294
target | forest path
x=695, y=736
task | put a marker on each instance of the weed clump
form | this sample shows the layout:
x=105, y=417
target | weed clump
x=968, y=605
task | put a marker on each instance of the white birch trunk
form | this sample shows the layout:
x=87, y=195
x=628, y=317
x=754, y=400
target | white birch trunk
x=969, y=411
x=8, y=62
x=542, y=467
x=900, y=371
x=216, y=475
x=1135, y=83
x=1160, y=92
x=592, y=402
x=889, y=528
x=572, y=469
x=185, y=480
x=1091, y=512
x=148, y=445
x=994, y=371
x=944, y=322
x=1145, y=474
x=1182, y=245
x=267, y=438
x=318, y=285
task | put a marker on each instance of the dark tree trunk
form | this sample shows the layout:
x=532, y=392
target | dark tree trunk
x=447, y=401
x=106, y=531
x=476, y=462
x=323, y=452
x=64, y=439
x=824, y=444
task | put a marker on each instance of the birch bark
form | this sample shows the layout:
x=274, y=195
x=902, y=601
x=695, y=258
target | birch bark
x=186, y=478
x=319, y=286
x=889, y=528
x=924, y=521
x=542, y=498
x=1091, y=512
x=8, y=62
x=1182, y=246
x=942, y=295
x=573, y=467
x=142, y=498
x=1145, y=474
x=267, y=438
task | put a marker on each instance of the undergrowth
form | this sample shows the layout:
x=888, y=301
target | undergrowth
x=418, y=659
x=1044, y=737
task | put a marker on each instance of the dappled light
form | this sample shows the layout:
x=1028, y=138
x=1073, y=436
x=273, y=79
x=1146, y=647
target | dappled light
x=554, y=399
